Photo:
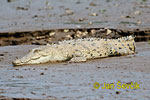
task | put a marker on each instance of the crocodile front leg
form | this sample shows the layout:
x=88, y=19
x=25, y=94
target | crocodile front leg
x=77, y=56
x=78, y=59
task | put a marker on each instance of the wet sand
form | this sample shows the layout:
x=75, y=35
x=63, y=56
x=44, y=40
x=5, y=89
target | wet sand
x=74, y=81
x=28, y=15
x=26, y=22
x=30, y=22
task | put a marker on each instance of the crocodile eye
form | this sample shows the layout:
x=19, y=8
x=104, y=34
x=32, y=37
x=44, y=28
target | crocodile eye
x=35, y=51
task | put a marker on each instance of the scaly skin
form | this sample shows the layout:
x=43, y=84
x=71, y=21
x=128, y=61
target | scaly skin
x=79, y=50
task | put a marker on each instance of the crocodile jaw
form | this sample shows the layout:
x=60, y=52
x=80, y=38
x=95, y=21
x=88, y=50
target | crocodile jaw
x=17, y=62
x=31, y=58
x=34, y=59
x=37, y=58
x=27, y=60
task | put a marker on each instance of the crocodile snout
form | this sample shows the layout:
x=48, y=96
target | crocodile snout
x=16, y=62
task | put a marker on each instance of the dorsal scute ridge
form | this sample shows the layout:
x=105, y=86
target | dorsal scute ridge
x=122, y=39
x=128, y=38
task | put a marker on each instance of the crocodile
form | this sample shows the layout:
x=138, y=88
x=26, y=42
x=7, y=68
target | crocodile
x=79, y=50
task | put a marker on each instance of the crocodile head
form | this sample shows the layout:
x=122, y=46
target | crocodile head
x=35, y=56
x=39, y=55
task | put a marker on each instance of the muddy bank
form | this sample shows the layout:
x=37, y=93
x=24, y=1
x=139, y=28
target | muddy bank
x=27, y=23
x=53, y=36
x=74, y=81
x=42, y=22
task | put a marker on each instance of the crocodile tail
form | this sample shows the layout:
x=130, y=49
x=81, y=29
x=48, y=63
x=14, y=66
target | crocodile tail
x=128, y=42
x=128, y=38
x=131, y=38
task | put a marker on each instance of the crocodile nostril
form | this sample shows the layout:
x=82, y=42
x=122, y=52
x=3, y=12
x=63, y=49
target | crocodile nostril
x=16, y=62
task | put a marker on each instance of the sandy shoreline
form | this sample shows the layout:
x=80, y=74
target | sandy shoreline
x=25, y=24
x=74, y=81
